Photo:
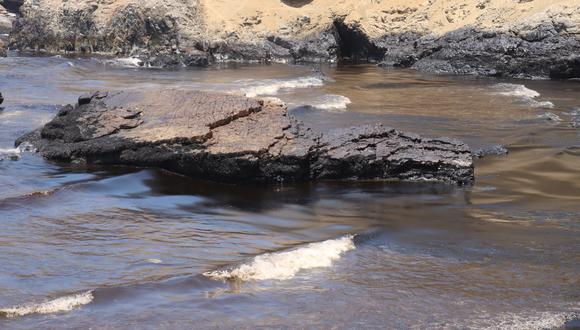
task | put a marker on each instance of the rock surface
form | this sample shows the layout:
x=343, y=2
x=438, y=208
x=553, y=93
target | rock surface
x=535, y=38
x=224, y=137
x=545, y=51
x=6, y=20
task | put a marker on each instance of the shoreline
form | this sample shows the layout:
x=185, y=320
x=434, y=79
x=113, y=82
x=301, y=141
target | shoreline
x=542, y=42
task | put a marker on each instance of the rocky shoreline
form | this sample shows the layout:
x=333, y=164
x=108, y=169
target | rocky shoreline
x=544, y=45
x=230, y=138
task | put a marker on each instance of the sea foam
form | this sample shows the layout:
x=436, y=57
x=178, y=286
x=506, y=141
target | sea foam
x=272, y=87
x=61, y=304
x=332, y=102
x=126, y=62
x=524, y=94
x=535, y=321
x=285, y=265
x=14, y=153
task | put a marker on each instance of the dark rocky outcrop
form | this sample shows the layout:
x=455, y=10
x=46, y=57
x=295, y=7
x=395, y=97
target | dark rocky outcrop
x=354, y=45
x=172, y=33
x=6, y=19
x=226, y=137
x=546, y=51
x=130, y=31
x=12, y=6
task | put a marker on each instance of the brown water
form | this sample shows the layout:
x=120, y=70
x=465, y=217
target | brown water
x=114, y=247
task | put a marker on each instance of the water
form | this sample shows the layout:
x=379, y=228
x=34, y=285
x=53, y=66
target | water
x=119, y=247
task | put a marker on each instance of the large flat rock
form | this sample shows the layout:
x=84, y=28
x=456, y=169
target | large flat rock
x=233, y=138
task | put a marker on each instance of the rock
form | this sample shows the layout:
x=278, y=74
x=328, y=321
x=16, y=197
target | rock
x=231, y=138
x=1, y=98
x=6, y=20
x=147, y=29
x=505, y=39
x=542, y=52
x=573, y=324
x=2, y=50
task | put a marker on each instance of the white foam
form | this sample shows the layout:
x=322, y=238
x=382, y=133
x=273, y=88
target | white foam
x=536, y=321
x=285, y=265
x=550, y=116
x=523, y=93
x=127, y=62
x=272, y=87
x=16, y=152
x=9, y=151
x=11, y=114
x=62, y=304
x=332, y=102
x=517, y=90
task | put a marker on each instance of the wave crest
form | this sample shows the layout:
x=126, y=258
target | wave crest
x=523, y=93
x=125, y=62
x=14, y=153
x=272, y=87
x=62, y=304
x=285, y=265
x=332, y=102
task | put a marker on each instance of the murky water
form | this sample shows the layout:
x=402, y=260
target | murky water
x=114, y=247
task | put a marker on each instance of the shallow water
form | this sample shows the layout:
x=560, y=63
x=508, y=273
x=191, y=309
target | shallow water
x=117, y=247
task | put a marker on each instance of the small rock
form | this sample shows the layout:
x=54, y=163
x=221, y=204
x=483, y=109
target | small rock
x=2, y=49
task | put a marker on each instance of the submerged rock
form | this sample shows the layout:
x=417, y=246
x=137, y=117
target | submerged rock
x=232, y=138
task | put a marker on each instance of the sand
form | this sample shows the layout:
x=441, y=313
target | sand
x=251, y=18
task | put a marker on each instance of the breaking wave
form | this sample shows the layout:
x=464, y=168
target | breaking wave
x=9, y=152
x=332, y=102
x=126, y=62
x=272, y=87
x=285, y=265
x=550, y=116
x=62, y=304
x=14, y=153
x=524, y=94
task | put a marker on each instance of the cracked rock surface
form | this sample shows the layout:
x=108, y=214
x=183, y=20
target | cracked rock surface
x=230, y=138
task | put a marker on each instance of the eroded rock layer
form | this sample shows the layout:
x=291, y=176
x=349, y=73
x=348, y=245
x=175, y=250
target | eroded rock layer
x=224, y=137
x=528, y=39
